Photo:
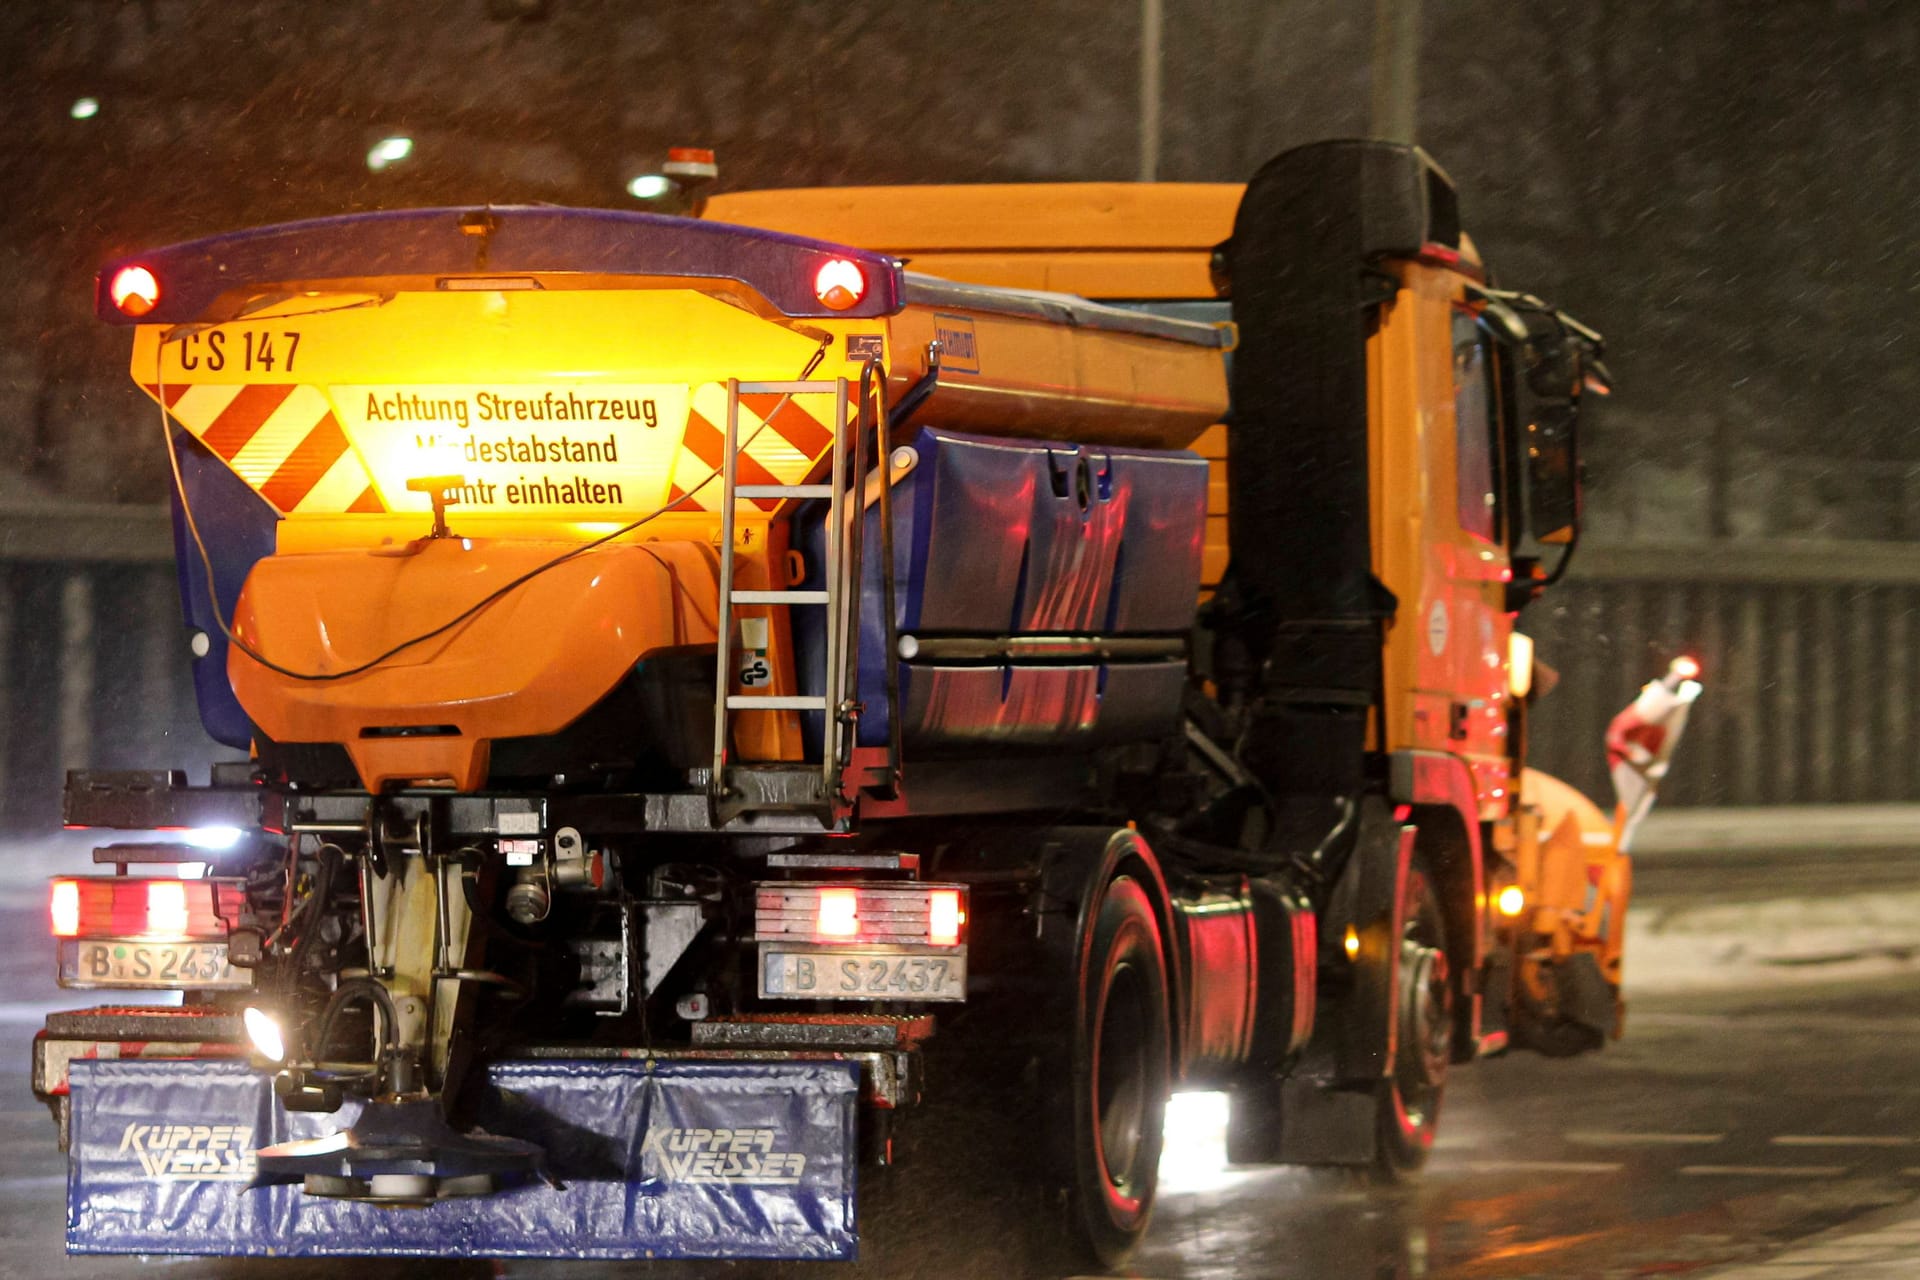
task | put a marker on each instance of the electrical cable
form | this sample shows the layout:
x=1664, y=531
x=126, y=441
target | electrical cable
x=213, y=595
x=329, y=857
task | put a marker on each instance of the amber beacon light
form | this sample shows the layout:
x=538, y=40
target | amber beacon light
x=134, y=291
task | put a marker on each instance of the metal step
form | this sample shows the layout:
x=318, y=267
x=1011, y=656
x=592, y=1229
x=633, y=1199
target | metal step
x=775, y=702
x=780, y=597
x=783, y=490
x=775, y=788
x=813, y=1030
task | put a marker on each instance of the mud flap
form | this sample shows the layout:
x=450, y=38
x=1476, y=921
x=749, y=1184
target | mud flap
x=654, y=1160
x=1327, y=1112
x=1323, y=1126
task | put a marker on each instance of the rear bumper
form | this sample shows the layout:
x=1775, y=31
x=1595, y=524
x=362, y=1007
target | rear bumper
x=114, y=1033
x=654, y=1159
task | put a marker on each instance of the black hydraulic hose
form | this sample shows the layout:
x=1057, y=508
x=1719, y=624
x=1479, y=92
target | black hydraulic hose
x=314, y=911
x=344, y=995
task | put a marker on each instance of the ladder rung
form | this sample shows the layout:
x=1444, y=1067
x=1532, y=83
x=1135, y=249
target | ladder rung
x=815, y=388
x=783, y=490
x=774, y=702
x=779, y=597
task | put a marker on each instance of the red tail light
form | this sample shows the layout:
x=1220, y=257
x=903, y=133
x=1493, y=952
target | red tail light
x=839, y=283
x=839, y=914
x=944, y=917
x=866, y=913
x=134, y=291
x=145, y=907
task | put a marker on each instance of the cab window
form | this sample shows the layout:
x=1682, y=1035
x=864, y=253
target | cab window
x=1474, y=430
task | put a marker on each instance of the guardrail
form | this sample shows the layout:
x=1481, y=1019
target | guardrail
x=1809, y=649
x=94, y=668
x=1811, y=652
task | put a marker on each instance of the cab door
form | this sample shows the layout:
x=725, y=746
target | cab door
x=1439, y=523
x=1471, y=536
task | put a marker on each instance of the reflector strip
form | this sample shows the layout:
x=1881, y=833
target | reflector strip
x=784, y=449
x=53, y=1055
x=342, y=484
x=243, y=416
x=368, y=501
x=282, y=439
x=791, y=423
x=280, y=435
x=708, y=443
x=313, y=457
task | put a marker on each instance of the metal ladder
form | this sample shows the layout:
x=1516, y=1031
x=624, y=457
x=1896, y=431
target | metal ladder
x=791, y=788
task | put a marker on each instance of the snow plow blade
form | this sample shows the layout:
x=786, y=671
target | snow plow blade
x=653, y=1159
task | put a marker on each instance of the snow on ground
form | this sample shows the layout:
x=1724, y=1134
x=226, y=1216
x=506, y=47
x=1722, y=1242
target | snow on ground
x=1690, y=945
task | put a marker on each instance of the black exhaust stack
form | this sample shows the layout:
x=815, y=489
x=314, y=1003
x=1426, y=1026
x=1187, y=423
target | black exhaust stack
x=1301, y=595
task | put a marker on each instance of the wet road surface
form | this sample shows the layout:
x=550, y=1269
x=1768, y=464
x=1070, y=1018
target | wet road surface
x=1726, y=1125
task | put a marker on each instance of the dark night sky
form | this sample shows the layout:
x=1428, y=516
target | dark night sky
x=1718, y=184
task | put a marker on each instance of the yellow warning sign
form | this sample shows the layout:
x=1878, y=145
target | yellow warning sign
x=521, y=448
x=590, y=403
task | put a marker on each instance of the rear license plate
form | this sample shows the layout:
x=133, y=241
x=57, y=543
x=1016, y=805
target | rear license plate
x=846, y=974
x=197, y=966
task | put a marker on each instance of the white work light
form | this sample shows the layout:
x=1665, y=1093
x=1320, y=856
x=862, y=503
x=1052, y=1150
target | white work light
x=265, y=1033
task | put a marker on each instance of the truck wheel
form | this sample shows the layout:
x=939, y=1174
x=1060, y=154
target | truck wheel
x=1121, y=1072
x=1423, y=1040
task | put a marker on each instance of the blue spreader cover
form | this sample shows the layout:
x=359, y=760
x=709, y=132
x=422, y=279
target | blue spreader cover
x=996, y=537
x=656, y=1160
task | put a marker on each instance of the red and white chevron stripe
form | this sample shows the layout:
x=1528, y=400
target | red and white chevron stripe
x=281, y=438
x=794, y=440
x=57, y=1055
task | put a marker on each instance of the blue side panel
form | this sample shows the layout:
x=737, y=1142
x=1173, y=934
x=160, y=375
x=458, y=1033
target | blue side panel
x=238, y=527
x=1009, y=537
x=668, y=1160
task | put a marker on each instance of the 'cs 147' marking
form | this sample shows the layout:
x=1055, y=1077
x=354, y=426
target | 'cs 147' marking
x=262, y=350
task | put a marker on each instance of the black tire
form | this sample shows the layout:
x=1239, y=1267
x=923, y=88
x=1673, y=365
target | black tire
x=1410, y=1097
x=1121, y=1073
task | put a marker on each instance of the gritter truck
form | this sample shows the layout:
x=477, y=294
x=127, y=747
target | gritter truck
x=680, y=660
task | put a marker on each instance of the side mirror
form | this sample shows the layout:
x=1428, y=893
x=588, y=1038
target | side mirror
x=1547, y=440
x=1549, y=360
